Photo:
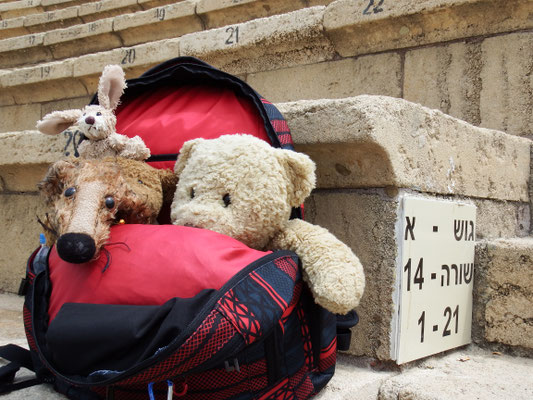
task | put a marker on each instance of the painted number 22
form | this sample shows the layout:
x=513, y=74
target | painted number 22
x=373, y=8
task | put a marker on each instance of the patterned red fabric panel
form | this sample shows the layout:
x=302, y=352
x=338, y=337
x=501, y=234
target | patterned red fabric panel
x=28, y=328
x=242, y=318
x=287, y=265
x=210, y=337
x=306, y=337
x=328, y=356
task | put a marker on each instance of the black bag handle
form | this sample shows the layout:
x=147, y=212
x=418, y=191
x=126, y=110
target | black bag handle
x=18, y=357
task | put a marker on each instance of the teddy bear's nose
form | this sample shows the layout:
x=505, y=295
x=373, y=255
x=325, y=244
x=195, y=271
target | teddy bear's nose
x=89, y=120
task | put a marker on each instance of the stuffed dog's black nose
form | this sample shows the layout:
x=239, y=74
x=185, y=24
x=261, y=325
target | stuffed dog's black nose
x=89, y=120
x=76, y=248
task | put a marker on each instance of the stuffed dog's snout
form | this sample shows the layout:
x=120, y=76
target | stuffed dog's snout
x=76, y=248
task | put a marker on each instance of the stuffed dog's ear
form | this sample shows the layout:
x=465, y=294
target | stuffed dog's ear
x=53, y=183
x=169, y=181
x=184, y=155
x=111, y=86
x=300, y=172
x=57, y=121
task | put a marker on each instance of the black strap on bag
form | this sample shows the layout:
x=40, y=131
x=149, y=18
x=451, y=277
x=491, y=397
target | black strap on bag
x=344, y=334
x=18, y=357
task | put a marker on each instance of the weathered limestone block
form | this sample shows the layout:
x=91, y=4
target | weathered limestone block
x=217, y=13
x=12, y=27
x=361, y=27
x=505, y=100
x=365, y=221
x=397, y=147
x=20, y=236
x=504, y=293
x=141, y=55
x=102, y=6
x=52, y=19
x=13, y=9
x=168, y=21
x=374, y=74
x=486, y=82
x=263, y=44
x=470, y=373
x=19, y=117
x=90, y=12
x=377, y=141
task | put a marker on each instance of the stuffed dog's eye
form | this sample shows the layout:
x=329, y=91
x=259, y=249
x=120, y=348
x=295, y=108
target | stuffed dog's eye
x=70, y=192
x=192, y=193
x=98, y=113
x=109, y=202
x=227, y=200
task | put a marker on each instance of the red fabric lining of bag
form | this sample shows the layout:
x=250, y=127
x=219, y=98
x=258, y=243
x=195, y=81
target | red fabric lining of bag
x=162, y=262
x=168, y=117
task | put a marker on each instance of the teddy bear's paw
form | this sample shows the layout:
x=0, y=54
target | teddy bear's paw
x=338, y=291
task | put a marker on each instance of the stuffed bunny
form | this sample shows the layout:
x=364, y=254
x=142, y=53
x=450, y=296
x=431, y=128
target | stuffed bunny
x=97, y=122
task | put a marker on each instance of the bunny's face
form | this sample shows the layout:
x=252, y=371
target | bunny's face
x=96, y=122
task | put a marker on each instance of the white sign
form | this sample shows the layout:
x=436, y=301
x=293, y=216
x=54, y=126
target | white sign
x=436, y=269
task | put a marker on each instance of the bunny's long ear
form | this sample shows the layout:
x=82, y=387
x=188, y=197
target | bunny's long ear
x=57, y=121
x=111, y=86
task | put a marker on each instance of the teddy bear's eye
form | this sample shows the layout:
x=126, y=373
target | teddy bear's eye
x=109, y=202
x=192, y=193
x=98, y=113
x=70, y=192
x=226, y=199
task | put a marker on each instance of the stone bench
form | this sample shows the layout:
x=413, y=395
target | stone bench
x=65, y=17
x=482, y=81
x=167, y=21
x=13, y=9
x=287, y=39
x=370, y=152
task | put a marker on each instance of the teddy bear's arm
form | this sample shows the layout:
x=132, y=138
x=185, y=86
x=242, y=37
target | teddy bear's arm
x=332, y=271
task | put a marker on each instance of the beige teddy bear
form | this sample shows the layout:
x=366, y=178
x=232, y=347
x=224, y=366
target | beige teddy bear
x=97, y=122
x=240, y=186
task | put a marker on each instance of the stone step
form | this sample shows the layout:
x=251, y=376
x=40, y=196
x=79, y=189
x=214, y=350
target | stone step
x=464, y=374
x=165, y=22
x=74, y=15
x=370, y=152
x=284, y=39
x=101, y=35
x=20, y=8
x=68, y=16
x=483, y=81
x=503, y=298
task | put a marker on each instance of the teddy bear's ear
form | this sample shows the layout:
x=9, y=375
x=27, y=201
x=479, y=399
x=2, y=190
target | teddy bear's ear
x=53, y=183
x=300, y=171
x=57, y=121
x=184, y=155
x=111, y=86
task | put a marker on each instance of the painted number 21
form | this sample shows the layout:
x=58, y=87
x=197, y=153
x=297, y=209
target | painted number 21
x=233, y=35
